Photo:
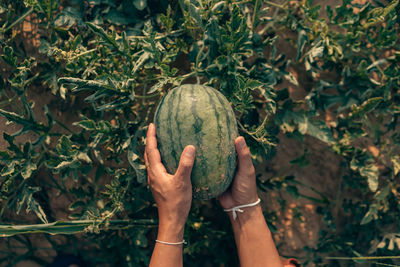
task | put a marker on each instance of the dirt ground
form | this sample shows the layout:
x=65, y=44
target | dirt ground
x=294, y=232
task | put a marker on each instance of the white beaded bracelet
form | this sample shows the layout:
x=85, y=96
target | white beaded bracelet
x=170, y=243
x=239, y=208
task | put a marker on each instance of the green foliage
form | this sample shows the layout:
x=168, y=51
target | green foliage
x=107, y=63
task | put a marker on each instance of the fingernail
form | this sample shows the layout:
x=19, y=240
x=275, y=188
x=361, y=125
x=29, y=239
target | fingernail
x=242, y=143
x=189, y=153
x=151, y=125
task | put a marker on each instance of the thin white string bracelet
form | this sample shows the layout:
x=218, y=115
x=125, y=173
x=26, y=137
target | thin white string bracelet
x=170, y=243
x=239, y=208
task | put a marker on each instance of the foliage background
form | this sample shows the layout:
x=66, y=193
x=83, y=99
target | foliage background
x=80, y=86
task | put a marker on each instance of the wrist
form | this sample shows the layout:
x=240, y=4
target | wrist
x=247, y=200
x=170, y=232
x=249, y=215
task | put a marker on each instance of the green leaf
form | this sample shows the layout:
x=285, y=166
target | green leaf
x=139, y=63
x=371, y=172
x=63, y=164
x=396, y=164
x=28, y=124
x=140, y=4
x=370, y=215
x=8, y=169
x=28, y=168
x=119, y=18
x=103, y=35
x=88, y=125
x=302, y=40
x=315, y=128
x=140, y=169
x=26, y=197
x=291, y=78
x=84, y=157
x=9, y=56
x=293, y=191
x=158, y=86
x=64, y=146
x=68, y=17
x=365, y=107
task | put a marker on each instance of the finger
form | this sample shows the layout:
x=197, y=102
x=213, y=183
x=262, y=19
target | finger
x=152, y=154
x=151, y=140
x=244, y=157
x=147, y=167
x=186, y=162
x=146, y=162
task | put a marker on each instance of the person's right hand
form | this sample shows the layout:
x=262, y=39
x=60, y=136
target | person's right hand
x=243, y=189
x=172, y=192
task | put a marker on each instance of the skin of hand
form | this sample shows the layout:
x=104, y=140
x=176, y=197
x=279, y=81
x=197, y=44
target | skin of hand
x=173, y=196
x=244, y=188
x=253, y=239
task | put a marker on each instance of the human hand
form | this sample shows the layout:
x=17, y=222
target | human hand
x=244, y=189
x=172, y=193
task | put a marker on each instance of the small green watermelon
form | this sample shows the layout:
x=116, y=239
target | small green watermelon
x=201, y=116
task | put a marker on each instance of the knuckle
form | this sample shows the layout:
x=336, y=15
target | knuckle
x=246, y=153
x=185, y=165
x=252, y=172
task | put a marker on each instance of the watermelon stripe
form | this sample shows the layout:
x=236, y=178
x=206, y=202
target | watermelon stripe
x=157, y=116
x=157, y=119
x=231, y=129
x=176, y=120
x=169, y=127
x=219, y=128
x=198, y=124
x=227, y=111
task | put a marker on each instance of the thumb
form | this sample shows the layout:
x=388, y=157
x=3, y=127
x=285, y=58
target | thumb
x=245, y=163
x=186, y=162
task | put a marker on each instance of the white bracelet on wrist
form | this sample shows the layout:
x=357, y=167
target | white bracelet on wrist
x=171, y=243
x=239, y=208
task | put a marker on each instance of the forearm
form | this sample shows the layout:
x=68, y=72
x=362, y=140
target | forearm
x=254, y=240
x=168, y=255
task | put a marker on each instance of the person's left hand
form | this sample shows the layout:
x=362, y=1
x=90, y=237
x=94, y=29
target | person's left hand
x=172, y=193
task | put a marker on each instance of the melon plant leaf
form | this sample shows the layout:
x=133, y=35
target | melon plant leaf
x=140, y=4
x=28, y=168
x=158, y=86
x=103, y=34
x=9, y=56
x=88, y=125
x=365, y=107
x=371, y=172
x=314, y=128
x=370, y=215
x=302, y=40
x=8, y=169
x=140, y=169
x=139, y=63
x=26, y=198
x=396, y=164
x=119, y=18
x=291, y=78
x=68, y=17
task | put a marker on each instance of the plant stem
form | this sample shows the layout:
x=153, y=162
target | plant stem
x=275, y=4
x=72, y=227
x=19, y=20
x=84, y=53
x=147, y=96
x=255, y=14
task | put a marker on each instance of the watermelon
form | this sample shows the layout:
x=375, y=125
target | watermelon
x=201, y=116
